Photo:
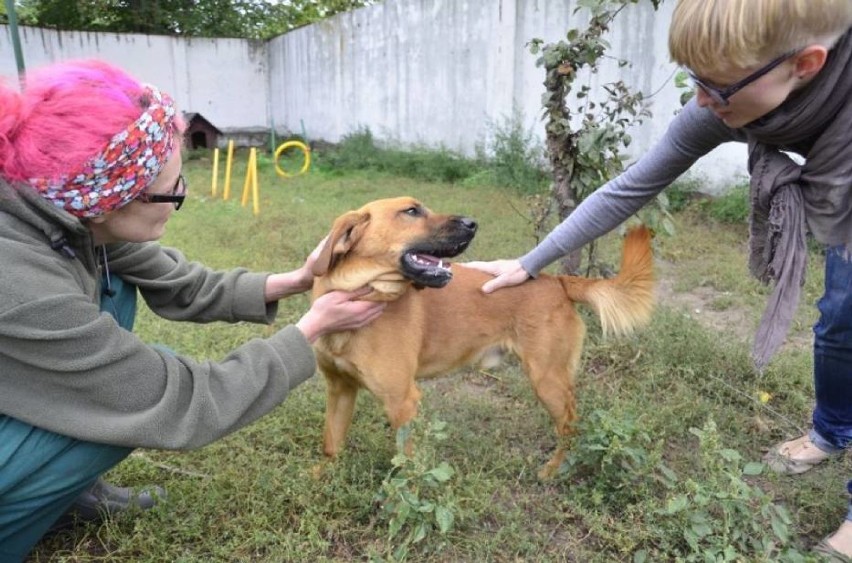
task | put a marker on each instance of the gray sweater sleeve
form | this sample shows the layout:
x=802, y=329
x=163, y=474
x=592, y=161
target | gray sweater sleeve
x=180, y=290
x=67, y=367
x=694, y=132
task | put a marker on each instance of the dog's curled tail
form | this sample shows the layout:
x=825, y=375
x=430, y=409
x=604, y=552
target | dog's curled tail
x=626, y=301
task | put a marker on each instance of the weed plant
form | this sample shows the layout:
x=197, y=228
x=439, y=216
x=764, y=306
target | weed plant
x=416, y=499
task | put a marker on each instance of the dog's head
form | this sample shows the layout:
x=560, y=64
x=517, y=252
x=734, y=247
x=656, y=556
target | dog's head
x=391, y=244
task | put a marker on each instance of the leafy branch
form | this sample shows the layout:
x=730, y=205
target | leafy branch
x=585, y=145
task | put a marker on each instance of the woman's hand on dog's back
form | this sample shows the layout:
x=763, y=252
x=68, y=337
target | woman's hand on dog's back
x=507, y=273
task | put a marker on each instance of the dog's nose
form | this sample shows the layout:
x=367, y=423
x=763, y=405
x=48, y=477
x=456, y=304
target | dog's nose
x=468, y=223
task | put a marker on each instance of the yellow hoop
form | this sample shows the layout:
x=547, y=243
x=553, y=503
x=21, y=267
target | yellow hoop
x=291, y=144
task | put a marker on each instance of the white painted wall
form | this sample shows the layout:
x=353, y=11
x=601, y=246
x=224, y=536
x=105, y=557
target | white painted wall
x=226, y=80
x=417, y=72
x=442, y=72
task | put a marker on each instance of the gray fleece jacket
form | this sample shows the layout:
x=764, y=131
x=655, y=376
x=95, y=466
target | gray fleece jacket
x=68, y=368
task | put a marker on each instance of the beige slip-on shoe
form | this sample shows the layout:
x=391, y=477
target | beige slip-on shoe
x=830, y=546
x=796, y=456
x=830, y=554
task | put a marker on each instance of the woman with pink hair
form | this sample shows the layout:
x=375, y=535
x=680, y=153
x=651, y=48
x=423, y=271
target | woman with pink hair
x=90, y=172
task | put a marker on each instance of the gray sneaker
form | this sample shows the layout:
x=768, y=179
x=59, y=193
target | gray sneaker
x=102, y=500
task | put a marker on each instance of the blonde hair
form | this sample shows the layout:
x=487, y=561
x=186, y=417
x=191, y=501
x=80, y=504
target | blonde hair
x=714, y=35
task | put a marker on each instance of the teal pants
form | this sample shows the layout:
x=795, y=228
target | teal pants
x=41, y=472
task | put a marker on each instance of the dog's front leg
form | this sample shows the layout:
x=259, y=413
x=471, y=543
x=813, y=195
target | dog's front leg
x=340, y=406
x=401, y=400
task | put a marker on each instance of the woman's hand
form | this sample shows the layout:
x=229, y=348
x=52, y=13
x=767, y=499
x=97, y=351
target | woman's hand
x=279, y=286
x=337, y=311
x=506, y=273
x=307, y=269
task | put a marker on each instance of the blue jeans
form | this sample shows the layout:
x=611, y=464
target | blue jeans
x=832, y=416
x=41, y=472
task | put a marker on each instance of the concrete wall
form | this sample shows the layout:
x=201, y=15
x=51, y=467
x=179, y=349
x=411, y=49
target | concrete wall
x=417, y=72
x=443, y=72
x=226, y=80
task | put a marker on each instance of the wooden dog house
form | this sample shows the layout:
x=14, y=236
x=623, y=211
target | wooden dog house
x=200, y=133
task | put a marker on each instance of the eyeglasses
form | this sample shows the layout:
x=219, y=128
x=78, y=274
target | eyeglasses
x=177, y=195
x=722, y=95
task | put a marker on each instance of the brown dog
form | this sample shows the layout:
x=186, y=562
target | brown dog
x=396, y=246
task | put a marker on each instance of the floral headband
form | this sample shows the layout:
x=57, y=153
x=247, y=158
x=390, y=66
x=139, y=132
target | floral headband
x=128, y=164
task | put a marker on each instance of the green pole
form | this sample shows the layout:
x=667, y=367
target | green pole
x=16, y=39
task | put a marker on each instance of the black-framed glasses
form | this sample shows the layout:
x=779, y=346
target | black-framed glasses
x=176, y=196
x=722, y=95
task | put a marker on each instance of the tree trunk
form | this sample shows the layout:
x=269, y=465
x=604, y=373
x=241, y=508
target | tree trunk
x=564, y=196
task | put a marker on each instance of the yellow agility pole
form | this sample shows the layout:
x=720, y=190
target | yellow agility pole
x=293, y=144
x=250, y=183
x=228, y=163
x=247, y=181
x=215, y=181
x=255, y=190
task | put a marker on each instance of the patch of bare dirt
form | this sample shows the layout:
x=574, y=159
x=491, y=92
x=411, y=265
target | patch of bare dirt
x=699, y=302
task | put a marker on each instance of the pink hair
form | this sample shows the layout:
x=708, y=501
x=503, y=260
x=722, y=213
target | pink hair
x=66, y=114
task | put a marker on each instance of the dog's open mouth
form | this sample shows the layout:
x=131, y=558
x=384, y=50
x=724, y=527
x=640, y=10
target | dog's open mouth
x=427, y=267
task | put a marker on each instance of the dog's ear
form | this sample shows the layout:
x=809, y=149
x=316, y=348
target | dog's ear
x=345, y=232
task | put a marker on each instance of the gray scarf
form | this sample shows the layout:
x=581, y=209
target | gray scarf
x=788, y=199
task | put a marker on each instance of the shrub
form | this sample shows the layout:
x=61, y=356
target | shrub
x=516, y=157
x=431, y=165
x=733, y=207
x=680, y=194
x=359, y=151
x=356, y=151
x=515, y=160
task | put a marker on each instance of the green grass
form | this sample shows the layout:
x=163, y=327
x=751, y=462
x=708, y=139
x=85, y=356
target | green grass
x=264, y=494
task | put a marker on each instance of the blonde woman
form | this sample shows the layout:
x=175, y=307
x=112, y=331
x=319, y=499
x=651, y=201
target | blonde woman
x=776, y=75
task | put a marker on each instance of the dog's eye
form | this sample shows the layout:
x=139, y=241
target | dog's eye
x=414, y=211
